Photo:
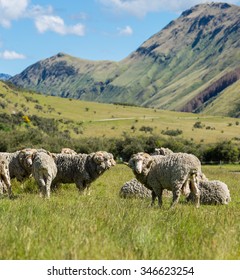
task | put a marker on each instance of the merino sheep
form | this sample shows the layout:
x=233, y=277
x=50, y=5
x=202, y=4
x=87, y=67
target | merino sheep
x=134, y=188
x=212, y=192
x=171, y=172
x=18, y=167
x=81, y=169
x=68, y=151
x=5, y=183
x=44, y=170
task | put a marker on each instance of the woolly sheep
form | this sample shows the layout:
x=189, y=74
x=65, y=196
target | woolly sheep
x=17, y=165
x=5, y=183
x=81, y=169
x=68, y=151
x=44, y=170
x=212, y=192
x=134, y=188
x=171, y=172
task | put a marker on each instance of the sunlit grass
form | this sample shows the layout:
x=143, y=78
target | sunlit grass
x=103, y=226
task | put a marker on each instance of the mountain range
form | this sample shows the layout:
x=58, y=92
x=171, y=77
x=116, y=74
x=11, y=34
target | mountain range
x=191, y=65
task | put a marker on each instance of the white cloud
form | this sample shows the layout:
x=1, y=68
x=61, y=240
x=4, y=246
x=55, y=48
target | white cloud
x=12, y=10
x=43, y=17
x=141, y=7
x=126, y=31
x=56, y=24
x=11, y=55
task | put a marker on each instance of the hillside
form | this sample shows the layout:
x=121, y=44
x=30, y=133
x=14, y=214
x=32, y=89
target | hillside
x=186, y=66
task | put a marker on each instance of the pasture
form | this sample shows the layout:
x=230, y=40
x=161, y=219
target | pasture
x=103, y=226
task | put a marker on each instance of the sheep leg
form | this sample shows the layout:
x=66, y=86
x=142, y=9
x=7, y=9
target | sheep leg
x=8, y=184
x=42, y=187
x=160, y=198
x=154, y=196
x=195, y=190
x=176, y=196
x=48, y=186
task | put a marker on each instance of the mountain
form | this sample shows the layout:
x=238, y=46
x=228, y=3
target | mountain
x=4, y=77
x=188, y=66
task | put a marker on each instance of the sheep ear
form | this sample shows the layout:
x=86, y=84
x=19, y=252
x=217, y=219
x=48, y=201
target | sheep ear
x=126, y=163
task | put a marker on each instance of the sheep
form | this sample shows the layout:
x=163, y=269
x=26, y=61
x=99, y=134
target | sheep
x=5, y=183
x=44, y=170
x=81, y=169
x=162, y=151
x=212, y=192
x=172, y=172
x=68, y=151
x=17, y=165
x=134, y=188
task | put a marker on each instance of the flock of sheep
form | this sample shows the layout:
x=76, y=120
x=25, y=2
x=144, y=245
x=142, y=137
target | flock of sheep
x=162, y=171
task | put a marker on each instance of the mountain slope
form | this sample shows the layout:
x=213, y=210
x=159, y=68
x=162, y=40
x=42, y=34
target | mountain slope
x=171, y=70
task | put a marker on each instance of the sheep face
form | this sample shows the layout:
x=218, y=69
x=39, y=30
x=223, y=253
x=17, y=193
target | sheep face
x=140, y=163
x=103, y=161
x=26, y=157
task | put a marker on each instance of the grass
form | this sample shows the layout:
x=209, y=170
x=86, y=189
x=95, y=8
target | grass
x=103, y=226
x=109, y=120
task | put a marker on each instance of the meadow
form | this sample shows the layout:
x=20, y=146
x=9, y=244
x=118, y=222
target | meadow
x=102, y=226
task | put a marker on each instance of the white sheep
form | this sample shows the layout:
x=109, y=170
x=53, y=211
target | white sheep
x=212, y=192
x=134, y=188
x=172, y=172
x=81, y=169
x=5, y=183
x=68, y=151
x=44, y=170
x=16, y=164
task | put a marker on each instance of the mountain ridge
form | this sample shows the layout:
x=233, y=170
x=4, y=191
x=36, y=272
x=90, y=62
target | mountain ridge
x=170, y=70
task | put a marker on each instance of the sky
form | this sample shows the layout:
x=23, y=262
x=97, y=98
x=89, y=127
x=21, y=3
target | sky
x=32, y=30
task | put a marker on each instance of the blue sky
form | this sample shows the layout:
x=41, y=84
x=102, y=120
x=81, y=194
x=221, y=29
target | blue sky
x=31, y=30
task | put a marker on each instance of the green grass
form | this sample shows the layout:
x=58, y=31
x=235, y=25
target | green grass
x=109, y=120
x=103, y=226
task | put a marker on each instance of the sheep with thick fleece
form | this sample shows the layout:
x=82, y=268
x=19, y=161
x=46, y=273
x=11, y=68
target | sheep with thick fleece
x=171, y=172
x=5, y=183
x=134, y=188
x=81, y=169
x=212, y=192
x=18, y=167
x=44, y=170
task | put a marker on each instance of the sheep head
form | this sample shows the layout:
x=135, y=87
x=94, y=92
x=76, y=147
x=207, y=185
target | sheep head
x=140, y=163
x=103, y=160
x=26, y=157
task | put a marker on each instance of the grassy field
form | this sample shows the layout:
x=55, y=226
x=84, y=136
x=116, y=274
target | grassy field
x=103, y=226
x=110, y=120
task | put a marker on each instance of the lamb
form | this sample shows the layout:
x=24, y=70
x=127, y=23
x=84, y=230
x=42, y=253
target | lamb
x=81, y=169
x=212, y=192
x=172, y=172
x=5, y=183
x=44, y=170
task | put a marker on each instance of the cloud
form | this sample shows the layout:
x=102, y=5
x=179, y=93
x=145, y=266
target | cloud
x=140, y=8
x=43, y=17
x=56, y=24
x=126, y=31
x=11, y=55
x=12, y=10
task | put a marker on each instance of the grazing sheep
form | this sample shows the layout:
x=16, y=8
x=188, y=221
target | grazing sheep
x=44, y=170
x=172, y=172
x=81, y=169
x=134, y=188
x=5, y=183
x=212, y=192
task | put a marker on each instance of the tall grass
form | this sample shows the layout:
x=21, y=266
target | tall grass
x=103, y=226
